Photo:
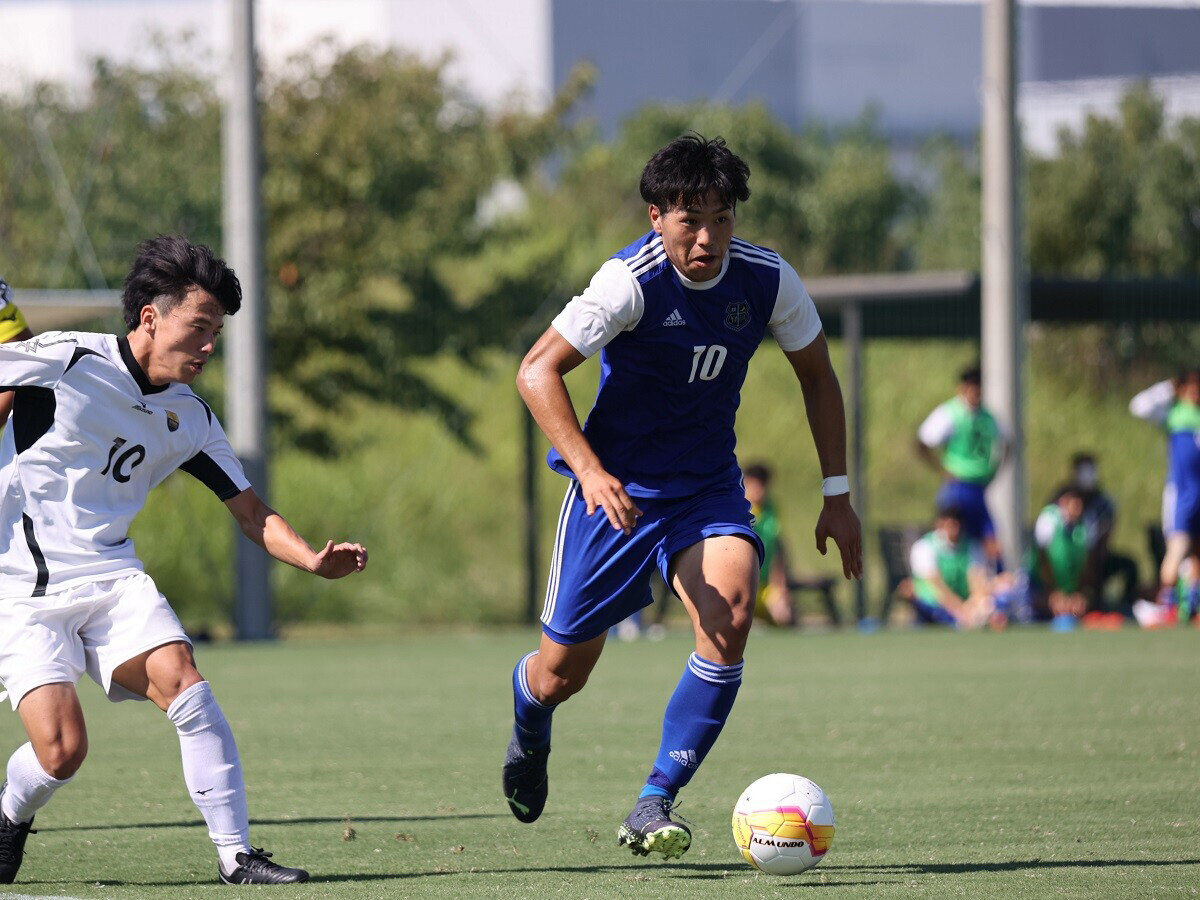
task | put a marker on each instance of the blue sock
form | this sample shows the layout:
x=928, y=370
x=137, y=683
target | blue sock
x=695, y=716
x=532, y=728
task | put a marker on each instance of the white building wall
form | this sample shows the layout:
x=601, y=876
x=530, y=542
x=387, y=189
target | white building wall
x=499, y=47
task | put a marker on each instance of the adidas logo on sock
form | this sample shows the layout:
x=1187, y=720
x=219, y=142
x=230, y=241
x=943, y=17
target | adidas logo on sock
x=685, y=758
x=674, y=319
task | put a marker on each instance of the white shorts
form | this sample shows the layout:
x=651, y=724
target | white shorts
x=91, y=628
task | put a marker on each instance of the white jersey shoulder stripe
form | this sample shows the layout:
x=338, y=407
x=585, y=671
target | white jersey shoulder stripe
x=651, y=263
x=651, y=248
x=757, y=260
x=753, y=250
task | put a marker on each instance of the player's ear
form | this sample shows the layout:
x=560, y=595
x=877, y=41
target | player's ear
x=656, y=218
x=148, y=318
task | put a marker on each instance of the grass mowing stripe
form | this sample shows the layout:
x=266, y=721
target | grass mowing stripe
x=1027, y=764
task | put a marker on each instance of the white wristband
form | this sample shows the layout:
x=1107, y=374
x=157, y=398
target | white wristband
x=835, y=485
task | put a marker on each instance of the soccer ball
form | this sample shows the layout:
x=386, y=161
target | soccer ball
x=783, y=824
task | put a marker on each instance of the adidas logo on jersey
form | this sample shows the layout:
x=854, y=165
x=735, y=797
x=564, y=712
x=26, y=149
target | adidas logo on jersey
x=685, y=758
x=674, y=319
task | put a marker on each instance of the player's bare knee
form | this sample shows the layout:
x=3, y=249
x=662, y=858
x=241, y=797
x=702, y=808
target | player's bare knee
x=555, y=687
x=62, y=757
x=170, y=685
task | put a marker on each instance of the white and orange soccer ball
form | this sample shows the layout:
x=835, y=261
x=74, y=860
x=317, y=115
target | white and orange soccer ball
x=783, y=824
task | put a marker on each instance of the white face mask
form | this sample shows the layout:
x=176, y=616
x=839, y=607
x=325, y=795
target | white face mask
x=1085, y=476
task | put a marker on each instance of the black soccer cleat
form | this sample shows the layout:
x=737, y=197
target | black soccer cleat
x=256, y=867
x=650, y=829
x=525, y=781
x=12, y=844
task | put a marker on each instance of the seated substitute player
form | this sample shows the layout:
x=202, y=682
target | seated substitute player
x=98, y=421
x=12, y=328
x=1056, y=561
x=676, y=316
x=950, y=581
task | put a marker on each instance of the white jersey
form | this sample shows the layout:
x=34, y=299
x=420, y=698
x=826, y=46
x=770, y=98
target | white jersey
x=88, y=438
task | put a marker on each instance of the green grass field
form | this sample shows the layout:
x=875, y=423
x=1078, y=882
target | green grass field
x=1026, y=764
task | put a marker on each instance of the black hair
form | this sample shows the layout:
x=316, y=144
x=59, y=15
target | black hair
x=166, y=268
x=1186, y=375
x=1081, y=458
x=684, y=172
x=971, y=375
x=758, y=471
x=950, y=511
x=1070, y=490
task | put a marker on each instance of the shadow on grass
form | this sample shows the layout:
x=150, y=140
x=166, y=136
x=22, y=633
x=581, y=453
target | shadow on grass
x=1010, y=866
x=316, y=820
x=712, y=872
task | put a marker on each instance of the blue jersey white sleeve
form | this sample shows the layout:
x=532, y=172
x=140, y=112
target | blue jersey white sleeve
x=673, y=358
x=1154, y=402
x=612, y=303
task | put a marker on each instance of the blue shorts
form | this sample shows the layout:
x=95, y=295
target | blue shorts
x=969, y=498
x=600, y=576
x=933, y=614
x=1181, y=509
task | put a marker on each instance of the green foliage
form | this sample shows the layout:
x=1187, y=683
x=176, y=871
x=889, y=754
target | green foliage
x=827, y=202
x=416, y=239
x=141, y=155
x=377, y=168
x=943, y=232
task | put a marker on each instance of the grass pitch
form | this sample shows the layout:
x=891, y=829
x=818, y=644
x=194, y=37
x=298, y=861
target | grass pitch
x=1026, y=764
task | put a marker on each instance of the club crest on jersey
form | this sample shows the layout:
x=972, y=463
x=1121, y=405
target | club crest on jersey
x=737, y=315
x=172, y=421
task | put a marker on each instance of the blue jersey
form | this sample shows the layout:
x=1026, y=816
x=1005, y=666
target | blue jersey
x=673, y=360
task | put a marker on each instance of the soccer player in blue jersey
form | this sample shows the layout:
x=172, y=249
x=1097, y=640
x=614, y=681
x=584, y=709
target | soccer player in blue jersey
x=675, y=316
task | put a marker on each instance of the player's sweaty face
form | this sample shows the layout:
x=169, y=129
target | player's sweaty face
x=186, y=336
x=696, y=237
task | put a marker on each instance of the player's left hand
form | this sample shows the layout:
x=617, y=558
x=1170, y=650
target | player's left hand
x=340, y=560
x=838, y=521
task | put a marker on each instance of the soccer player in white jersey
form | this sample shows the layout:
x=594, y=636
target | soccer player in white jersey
x=97, y=422
x=675, y=317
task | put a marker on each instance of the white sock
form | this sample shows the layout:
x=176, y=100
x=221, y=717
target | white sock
x=212, y=770
x=29, y=786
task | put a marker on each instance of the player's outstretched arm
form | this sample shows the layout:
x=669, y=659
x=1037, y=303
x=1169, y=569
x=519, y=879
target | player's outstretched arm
x=540, y=383
x=827, y=420
x=271, y=531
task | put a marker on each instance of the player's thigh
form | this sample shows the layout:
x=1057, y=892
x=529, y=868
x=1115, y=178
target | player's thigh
x=53, y=719
x=136, y=647
x=598, y=575
x=40, y=642
x=716, y=579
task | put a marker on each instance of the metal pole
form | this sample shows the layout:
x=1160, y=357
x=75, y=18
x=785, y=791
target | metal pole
x=1002, y=315
x=245, y=352
x=852, y=334
x=529, y=432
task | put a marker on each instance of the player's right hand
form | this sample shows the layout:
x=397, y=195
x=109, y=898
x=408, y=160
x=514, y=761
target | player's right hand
x=602, y=491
